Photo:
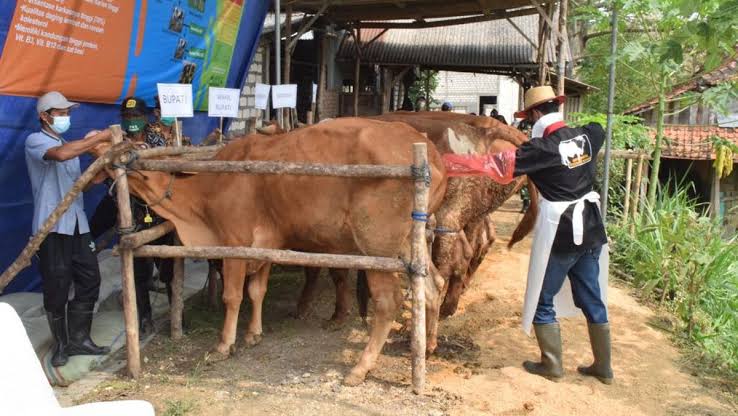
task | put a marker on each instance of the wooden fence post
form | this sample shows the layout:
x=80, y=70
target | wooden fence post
x=628, y=174
x=177, y=306
x=130, y=309
x=419, y=262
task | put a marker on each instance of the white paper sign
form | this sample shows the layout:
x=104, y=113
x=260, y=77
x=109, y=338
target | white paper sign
x=175, y=100
x=262, y=96
x=315, y=92
x=223, y=102
x=284, y=96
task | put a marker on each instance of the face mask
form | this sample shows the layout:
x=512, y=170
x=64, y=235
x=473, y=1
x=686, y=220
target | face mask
x=133, y=126
x=61, y=124
x=167, y=121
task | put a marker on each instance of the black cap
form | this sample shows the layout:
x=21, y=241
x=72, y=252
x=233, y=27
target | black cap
x=133, y=106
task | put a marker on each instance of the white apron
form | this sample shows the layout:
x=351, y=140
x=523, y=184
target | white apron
x=549, y=214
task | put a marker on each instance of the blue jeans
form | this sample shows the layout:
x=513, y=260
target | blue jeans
x=583, y=269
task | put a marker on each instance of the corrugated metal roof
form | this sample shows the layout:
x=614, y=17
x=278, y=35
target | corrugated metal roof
x=475, y=45
x=269, y=21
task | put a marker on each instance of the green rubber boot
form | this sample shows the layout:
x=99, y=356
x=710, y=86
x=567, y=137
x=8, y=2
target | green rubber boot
x=599, y=337
x=549, y=341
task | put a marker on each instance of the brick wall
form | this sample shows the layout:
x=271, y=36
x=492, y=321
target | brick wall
x=329, y=104
x=249, y=117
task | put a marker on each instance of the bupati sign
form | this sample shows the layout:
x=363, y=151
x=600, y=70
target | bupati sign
x=104, y=50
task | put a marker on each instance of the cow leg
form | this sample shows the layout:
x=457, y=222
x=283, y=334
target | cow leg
x=432, y=308
x=234, y=274
x=386, y=296
x=257, y=288
x=343, y=296
x=308, y=291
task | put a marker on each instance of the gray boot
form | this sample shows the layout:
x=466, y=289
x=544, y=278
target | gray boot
x=599, y=337
x=549, y=341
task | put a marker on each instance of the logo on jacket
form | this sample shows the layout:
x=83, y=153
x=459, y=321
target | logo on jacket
x=575, y=152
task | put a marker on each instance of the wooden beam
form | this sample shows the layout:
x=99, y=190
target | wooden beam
x=146, y=236
x=287, y=257
x=419, y=269
x=628, y=179
x=422, y=24
x=130, y=308
x=548, y=17
x=305, y=26
x=563, y=10
x=516, y=27
x=543, y=46
x=357, y=71
x=275, y=168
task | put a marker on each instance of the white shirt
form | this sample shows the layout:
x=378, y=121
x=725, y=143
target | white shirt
x=545, y=121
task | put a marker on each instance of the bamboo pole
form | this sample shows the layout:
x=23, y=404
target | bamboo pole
x=287, y=64
x=357, y=71
x=130, y=309
x=176, y=151
x=637, y=191
x=24, y=258
x=276, y=168
x=146, y=236
x=637, y=194
x=287, y=257
x=715, y=195
x=177, y=301
x=628, y=174
x=419, y=269
x=563, y=11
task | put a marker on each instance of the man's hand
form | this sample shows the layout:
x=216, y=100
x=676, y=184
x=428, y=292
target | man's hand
x=75, y=148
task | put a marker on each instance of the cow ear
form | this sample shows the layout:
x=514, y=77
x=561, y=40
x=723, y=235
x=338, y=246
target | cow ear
x=424, y=134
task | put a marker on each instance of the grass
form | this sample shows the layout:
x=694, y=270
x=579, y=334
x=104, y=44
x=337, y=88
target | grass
x=678, y=258
x=178, y=407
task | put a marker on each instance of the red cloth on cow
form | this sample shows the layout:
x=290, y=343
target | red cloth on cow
x=498, y=166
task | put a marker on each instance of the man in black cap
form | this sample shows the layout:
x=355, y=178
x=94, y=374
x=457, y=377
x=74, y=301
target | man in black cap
x=135, y=123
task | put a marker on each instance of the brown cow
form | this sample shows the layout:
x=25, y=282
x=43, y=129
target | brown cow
x=313, y=214
x=464, y=233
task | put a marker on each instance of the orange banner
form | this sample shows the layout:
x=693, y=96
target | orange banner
x=56, y=44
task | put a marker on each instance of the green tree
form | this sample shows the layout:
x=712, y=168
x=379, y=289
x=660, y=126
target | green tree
x=425, y=85
x=678, y=39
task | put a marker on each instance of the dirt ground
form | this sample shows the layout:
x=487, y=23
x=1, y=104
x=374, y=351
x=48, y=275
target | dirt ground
x=297, y=368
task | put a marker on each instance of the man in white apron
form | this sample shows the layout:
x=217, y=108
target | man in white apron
x=569, y=236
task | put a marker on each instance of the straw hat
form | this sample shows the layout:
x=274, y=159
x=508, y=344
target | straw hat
x=537, y=96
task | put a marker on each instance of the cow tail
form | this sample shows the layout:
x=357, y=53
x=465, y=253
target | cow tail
x=362, y=293
x=528, y=222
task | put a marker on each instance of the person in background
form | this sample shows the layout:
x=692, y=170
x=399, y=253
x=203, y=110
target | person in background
x=525, y=197
x=495, y=115
x=67, y=255
x=420, y=104
x=136, y=127
x=447, y=106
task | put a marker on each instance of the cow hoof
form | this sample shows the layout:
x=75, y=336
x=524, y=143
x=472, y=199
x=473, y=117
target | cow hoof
x=220, y=353
x=251, y=340
x=353, y=379
x=301, y=315
x=335, y=324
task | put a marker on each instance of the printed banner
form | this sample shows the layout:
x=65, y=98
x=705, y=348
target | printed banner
x=105, y=50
